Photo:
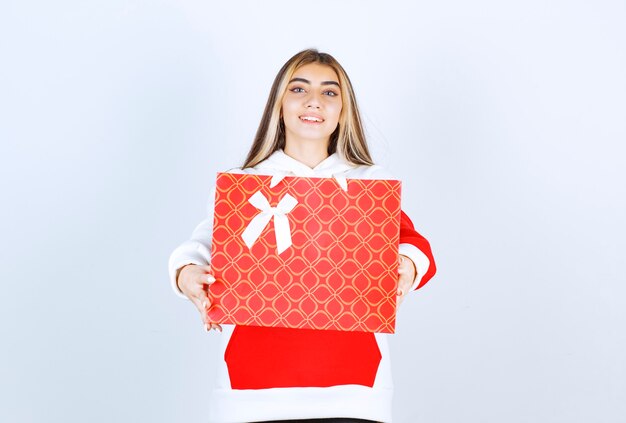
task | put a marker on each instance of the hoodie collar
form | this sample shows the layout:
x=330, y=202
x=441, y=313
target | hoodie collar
x=281, y=162
x=280, y=165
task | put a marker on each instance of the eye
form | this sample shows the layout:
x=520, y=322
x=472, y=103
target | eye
x=297, y=90
x=330, y=93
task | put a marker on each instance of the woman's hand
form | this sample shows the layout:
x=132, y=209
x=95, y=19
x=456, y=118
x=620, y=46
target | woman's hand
x=406, y=276
x=193, y=281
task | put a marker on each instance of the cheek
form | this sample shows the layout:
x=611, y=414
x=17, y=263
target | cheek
x=288, y=109
x=337, y=112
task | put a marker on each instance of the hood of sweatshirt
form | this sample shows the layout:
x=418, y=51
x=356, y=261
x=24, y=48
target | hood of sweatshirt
x=281, y=162
x=279, y=165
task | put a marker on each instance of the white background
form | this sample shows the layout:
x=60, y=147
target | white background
x=506, y=121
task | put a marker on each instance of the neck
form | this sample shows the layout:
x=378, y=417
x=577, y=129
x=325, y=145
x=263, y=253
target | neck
x=309, y=152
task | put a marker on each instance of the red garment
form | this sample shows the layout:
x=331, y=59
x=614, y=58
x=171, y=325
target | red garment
x=261, y=358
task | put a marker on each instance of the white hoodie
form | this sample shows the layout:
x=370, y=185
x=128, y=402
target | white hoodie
x=248, y=405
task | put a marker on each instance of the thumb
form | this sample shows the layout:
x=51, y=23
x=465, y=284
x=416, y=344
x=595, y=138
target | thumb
x=206, y=268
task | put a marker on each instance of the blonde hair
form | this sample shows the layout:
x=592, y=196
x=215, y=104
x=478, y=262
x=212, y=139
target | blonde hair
x=348, y=139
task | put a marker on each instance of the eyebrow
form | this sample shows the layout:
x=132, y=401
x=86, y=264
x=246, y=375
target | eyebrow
x=306, y=81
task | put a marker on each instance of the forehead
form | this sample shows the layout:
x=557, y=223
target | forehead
x=316, y=72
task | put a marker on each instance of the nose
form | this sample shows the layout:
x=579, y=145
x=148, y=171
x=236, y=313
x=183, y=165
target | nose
x=313, y=101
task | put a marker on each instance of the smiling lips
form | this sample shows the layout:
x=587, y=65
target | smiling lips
x=311, y=119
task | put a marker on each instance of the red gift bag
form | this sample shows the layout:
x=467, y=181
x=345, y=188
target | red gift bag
x=305, y=253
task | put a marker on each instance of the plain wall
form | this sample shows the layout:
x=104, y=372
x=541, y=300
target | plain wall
x=505, y=120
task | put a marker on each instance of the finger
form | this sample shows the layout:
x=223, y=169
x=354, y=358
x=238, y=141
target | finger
x=199, y=294
x=204, y=278
x=401, y=295
x=404, y=284
x=206, y=269
x=206, y=296
x=200, y=305
x=403, y=264
x=402, y=289
x=210, y=326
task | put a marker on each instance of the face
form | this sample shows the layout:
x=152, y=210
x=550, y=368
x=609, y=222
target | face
x=312, y=104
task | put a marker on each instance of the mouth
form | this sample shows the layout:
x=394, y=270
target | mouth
x=311, y=119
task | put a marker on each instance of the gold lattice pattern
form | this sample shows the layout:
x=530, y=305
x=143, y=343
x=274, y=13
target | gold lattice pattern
x=340, y=271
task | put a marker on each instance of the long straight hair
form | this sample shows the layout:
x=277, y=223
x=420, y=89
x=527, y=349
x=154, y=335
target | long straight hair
x=348, y=139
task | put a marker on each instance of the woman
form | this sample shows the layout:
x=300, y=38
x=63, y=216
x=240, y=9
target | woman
x=310, y=127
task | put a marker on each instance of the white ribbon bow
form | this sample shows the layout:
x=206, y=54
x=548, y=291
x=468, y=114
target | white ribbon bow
x=260, y=221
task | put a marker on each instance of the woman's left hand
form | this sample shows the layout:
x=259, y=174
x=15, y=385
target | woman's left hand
x=406, y=276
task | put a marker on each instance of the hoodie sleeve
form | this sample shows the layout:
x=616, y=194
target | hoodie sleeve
x=196, y=250
x=417, y=248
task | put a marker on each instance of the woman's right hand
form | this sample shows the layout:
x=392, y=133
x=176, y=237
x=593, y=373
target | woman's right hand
x=193, y=281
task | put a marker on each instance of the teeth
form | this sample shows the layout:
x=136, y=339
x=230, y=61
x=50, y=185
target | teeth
x=311, y=119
